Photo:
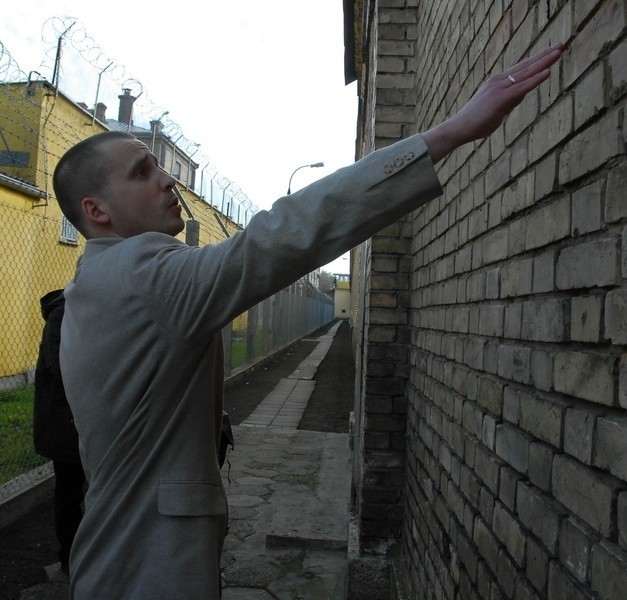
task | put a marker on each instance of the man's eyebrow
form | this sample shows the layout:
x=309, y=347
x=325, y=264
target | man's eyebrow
x=143, y=159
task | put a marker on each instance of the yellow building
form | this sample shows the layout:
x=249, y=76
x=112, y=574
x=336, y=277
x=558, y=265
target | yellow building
x=342, y=296
x=39, y=247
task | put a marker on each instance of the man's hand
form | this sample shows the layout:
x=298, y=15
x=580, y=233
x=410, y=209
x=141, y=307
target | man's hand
x=486, y=110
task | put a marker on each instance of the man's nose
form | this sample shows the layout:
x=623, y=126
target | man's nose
x=167, y=181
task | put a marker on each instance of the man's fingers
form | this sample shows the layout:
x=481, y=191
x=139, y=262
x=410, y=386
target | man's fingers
x=535, y=64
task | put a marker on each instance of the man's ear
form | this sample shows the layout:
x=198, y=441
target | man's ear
x=93, y=212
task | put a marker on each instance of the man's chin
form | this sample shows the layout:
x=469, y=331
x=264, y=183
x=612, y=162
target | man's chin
x=176, y=229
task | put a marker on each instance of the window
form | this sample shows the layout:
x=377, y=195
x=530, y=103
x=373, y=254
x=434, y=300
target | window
x=177, y=170
x=10, y=158
x=69, y=233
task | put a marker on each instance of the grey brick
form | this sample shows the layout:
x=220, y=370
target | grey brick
x=609, y=571
x=611, y=445
x=618, y=66
x=543, y=320
x=486, y=505
x=548, y=224
x=493, y=280
x=579, y=434
x=615, y=205
x=472, y=419
x=514, y=362
x=467, y=554
x=587, y=212
x=506, y=575
x=575, y=548
x=487, y=468
x=546, y=176
x=587, y=265
x=590, y=148
x=513, y=321
x=539, y=513
x=486, y=543
x=490, y=395
x=562, y=587
x=585, y=320
x=519, y=195
x=540, y=465
x=542, y=417
x=622, y=520
x=473, y=353
x=510, y=532
x=524, y=590
x=537, y=565
x=542, y=369
x=495, y=246
x=491, y=320
x=517, y=278
x=509, y=479
x=585, y=375
x=588, y=494
x=616, y=315
x=512, y=400
x=589, y=96
x=544, y=273
x=512, y=445
x=488, y=432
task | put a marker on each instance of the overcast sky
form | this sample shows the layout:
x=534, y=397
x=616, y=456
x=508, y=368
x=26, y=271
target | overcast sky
x=259, y=84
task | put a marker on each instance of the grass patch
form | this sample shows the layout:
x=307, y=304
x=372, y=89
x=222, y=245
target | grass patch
x=17, y=453
x=238, y=348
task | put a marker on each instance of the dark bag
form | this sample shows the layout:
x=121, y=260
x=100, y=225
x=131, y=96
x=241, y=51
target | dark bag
x=226, y=438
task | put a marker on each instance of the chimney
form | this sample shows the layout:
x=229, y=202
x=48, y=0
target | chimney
x=156, y=127
x=101, y=109
x=126, y=107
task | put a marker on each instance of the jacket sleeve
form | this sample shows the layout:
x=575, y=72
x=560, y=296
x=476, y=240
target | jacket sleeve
x=213, y=284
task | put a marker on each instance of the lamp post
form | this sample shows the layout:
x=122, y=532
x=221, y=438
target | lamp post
x=312, y=165
x=155, y=124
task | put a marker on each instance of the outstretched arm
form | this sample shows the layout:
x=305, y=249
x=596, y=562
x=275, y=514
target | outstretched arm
x=486, y=110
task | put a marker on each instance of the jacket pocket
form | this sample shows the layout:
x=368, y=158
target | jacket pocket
x=191, y=499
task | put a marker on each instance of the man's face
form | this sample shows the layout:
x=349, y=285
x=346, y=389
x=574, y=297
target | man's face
x=139, y=196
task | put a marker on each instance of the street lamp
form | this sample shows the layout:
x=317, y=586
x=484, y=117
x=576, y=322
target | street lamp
x=312, y=165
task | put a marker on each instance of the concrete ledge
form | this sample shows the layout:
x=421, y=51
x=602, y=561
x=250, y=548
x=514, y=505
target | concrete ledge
x=21, y=495
x=367, y=577
x=398, y=585
x=275, y=540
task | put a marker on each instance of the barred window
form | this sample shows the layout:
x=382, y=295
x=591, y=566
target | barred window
x=69, y=233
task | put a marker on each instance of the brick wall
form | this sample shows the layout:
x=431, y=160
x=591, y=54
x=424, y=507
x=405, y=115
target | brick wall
x=516, y=448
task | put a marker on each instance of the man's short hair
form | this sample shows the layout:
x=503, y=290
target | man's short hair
x=83, y=171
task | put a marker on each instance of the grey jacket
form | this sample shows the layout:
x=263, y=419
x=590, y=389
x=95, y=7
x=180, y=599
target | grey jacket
x=142, y=363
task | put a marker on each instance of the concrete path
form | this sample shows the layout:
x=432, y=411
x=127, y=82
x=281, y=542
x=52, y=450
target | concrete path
x=285, y=404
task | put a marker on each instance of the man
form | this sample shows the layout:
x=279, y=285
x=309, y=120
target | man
x=141, y=351
x=54, y=433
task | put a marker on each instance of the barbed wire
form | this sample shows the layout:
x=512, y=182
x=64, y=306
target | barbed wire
x=67, y=34
x=9, y=69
